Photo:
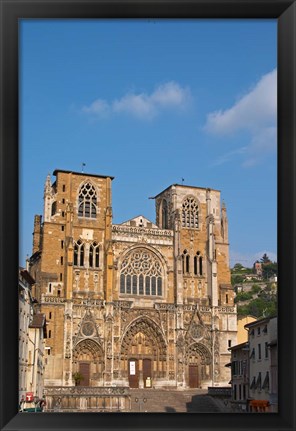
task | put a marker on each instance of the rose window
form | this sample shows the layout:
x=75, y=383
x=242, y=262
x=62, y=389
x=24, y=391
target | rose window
x=141, y=274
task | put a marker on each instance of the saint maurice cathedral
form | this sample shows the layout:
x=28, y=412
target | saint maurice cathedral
x=137, y=304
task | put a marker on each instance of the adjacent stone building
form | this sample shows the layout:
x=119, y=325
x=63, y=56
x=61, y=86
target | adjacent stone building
x=138, y=304
x=32, y=334
x=240, y=376
x=262, y=342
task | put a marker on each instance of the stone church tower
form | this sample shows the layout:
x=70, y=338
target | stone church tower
x=134, y=304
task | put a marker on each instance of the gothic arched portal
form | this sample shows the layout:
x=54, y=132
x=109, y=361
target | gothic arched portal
x=143, y=353
x=88, y=361
x=199, y=365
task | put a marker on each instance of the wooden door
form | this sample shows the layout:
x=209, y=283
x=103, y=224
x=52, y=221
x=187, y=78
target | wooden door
x=84, y=369
x=133, y=373
x=147, y=371
x=193, y=376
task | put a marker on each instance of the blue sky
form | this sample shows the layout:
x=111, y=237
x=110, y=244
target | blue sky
x=151, y=102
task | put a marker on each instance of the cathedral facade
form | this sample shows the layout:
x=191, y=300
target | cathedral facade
x=137, y=304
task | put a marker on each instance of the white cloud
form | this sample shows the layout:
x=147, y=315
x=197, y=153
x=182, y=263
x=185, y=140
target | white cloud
x=255, y=113
x=229, y=156
x=98, y=107
x=143, y=105
x=262, y=142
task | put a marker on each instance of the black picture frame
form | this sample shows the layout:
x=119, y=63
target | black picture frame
x=285, y=13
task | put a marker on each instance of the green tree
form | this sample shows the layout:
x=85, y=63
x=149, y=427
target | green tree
x=269, y=269
x=265, y=259
x=238, y=267
x=255, y=289
x=243, y=296
x=263, y=306
x=237, y=279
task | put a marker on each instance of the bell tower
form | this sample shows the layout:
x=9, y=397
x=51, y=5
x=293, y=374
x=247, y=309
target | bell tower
x=200, y=242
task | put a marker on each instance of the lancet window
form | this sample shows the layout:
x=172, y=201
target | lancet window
x=141, y=274
x=185, y=262
x=79, y=253
x=164, y=214
x=190, y=213
x=87, y=201
x=197, y=264
x=94, y=255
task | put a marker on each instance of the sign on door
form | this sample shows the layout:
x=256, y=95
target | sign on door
x=132, y=368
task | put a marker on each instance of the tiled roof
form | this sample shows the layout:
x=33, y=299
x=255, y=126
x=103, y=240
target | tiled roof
x=29, y=279
x=38, y=321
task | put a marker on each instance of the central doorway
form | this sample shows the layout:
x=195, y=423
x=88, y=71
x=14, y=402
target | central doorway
x=84, y=370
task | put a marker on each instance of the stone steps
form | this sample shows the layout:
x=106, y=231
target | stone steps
x=172, y=401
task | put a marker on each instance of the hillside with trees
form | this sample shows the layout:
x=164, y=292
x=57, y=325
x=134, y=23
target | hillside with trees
x=256, y=290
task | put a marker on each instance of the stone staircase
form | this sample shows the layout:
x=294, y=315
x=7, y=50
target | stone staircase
x=172, y=401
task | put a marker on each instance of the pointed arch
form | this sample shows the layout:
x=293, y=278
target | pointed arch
x=142, y=272
x=79, y=253
x=185, y=262
x=87, y=200
x=164, y=214
x=87, y=349
x=199, y=350
x=88, y=361
x=198, y=264
x=152, y=334
x=94, y=255
x=190, y=213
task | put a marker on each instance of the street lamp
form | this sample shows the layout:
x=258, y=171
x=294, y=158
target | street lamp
x=140, y=401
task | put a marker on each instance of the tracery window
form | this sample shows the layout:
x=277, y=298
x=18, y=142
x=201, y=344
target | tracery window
x=87, y=201
x=79, y=253
x=190, y=213
x=94, y=255
x=197, y=264
x=141, y=274
x=185, y=262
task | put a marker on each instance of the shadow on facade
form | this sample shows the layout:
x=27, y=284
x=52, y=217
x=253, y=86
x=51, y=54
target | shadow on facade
x=202, y=404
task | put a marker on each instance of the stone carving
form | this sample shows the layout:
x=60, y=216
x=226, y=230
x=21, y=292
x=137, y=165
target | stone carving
x=141, y=230
x=226, y=310
x=89, y=302
x=171, y=375
x=123, y=304
x=68, y=349
x=165, y=307
x=199, y=349
x=151, y=331
x=197, y=331
x=52, y=300
x=88, y=329
x=60, y=390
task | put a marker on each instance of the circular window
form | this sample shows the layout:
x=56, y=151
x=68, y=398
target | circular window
x=88, y=329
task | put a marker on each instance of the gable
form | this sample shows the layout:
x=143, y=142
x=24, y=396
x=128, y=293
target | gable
x=140, y=221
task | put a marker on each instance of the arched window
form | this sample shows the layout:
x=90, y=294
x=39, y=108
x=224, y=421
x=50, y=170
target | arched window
x=87, y=201
x=53, y=208
x=141, y=274
x=190, y=213
x=185, y=262
x=197, y=263
x=164, y=214
x=94, y=255
x=79, y=253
